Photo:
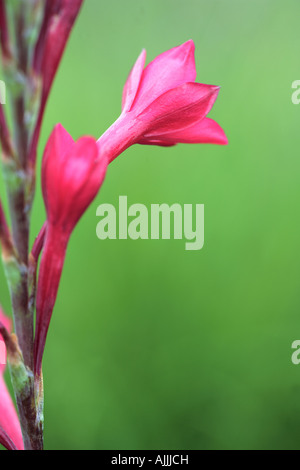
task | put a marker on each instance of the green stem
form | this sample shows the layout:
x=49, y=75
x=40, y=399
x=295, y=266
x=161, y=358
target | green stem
x=23, y=384
x=20, y=232
x=32, y=425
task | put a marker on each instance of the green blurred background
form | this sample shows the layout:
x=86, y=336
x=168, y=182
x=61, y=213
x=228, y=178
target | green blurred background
x=151, y=346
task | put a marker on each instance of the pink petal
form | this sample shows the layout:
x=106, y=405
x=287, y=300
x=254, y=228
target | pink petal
x=133, y=82
x=60, y=142
x=6, y=441
x=83, y=177
x=169, y=70
x=158, y=142
x=58, y=145
x=206, y=131
x=10, y=429
x=179, y=108
x=9, y=421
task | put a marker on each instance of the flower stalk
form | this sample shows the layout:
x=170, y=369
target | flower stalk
x=16, y=185
x=33, y=36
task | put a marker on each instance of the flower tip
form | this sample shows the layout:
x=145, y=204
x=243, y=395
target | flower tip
x=59, y=126
x=225, y=141
x=187, y=48
x=222, y=137
x=60, y=131
x=190, y=44
x=215, y=90
x=142, y=57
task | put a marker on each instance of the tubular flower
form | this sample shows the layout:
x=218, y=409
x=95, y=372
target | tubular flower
x=59, y=18
x=10, y=429
x=162, y=105
x=58, y=21
x=72, y=174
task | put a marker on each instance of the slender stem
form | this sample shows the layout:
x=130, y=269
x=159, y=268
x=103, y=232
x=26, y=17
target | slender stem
x=20, y=129
x=20, y=233
x=17, y=279
x=15, y=175
x=20, y=271
x=6, y=143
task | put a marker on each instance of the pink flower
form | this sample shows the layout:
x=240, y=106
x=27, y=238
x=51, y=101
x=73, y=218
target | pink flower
x=162, y=105
x=72, y=174
x=10, y=429
x=59, y=19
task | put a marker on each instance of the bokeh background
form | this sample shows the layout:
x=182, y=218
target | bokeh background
x=151, y=346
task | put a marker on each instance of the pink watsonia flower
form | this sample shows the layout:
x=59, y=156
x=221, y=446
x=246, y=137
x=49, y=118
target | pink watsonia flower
x=162, y=105
x=10, y=429
x=58, y=22
x=72, y=174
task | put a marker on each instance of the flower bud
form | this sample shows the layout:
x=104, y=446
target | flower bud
x=72, y=174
